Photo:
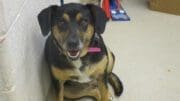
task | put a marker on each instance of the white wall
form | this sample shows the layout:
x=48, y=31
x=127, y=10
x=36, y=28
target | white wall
x=23, y=73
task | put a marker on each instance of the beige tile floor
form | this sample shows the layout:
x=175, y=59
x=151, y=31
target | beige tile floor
x=147, y=51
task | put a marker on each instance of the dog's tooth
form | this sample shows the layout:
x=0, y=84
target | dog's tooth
x=73, y=56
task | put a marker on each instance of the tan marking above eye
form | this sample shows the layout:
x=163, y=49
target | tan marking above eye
x=78, y=16
x=59, y=35
x=66, y=17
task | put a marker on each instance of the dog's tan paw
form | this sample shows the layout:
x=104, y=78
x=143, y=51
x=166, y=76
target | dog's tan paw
x=110, y=98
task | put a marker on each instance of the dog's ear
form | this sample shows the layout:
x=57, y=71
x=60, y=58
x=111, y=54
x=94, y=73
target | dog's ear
x=99, y=18
x=45, y=19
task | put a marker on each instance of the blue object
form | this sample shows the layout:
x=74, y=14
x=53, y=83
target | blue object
x=117, y=11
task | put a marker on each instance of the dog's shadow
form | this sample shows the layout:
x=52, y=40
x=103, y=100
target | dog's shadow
x=38, y=42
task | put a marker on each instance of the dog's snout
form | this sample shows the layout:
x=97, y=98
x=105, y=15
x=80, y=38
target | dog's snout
x=73, y=42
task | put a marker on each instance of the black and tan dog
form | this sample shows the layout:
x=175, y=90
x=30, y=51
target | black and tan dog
x=75, y=51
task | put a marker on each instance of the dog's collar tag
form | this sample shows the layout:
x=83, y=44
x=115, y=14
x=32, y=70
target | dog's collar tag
x=94, y=49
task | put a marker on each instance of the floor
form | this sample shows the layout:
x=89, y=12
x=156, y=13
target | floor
x=147, y=53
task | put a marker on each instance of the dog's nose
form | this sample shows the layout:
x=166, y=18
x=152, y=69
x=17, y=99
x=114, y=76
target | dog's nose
x=73, y=42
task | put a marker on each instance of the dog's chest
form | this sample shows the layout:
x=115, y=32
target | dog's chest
x=82, y=76
x=77, y=64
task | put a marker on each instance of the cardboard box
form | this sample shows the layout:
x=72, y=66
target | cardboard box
x=168, y=6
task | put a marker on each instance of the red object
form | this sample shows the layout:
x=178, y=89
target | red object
x=106, y=8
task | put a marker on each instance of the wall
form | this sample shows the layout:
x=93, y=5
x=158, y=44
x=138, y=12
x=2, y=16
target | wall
x=23, y=72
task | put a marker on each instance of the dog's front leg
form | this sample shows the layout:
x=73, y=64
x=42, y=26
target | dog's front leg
x=103, y=88
x=61, y=91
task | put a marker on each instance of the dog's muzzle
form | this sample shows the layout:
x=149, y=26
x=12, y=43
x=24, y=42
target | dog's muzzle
x=73, y=48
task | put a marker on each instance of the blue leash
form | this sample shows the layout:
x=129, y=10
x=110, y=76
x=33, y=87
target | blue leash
x=62, y=2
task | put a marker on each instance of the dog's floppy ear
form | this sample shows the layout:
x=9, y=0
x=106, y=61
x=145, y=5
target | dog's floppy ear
x=99, y=18
x=45, y=19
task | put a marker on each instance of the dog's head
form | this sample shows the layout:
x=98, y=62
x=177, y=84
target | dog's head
x=72, y=26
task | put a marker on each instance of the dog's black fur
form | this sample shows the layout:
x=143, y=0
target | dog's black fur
x=68, y=31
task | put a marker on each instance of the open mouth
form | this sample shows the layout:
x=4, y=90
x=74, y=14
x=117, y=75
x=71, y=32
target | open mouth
x=73, y=54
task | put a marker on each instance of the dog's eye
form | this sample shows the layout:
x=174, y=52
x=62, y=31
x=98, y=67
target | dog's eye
x=83, y=24
x=61, y=22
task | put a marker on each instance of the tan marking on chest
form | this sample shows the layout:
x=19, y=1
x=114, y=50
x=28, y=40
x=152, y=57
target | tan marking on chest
x=77, y=63
x=68, y=74
x=62, y=74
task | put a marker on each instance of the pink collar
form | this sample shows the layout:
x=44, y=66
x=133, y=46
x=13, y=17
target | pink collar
x=94, y=49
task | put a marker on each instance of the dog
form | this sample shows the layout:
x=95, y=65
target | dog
x=76, y=53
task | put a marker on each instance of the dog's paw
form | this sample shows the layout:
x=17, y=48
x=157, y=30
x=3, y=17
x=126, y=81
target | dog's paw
x=110, y=98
